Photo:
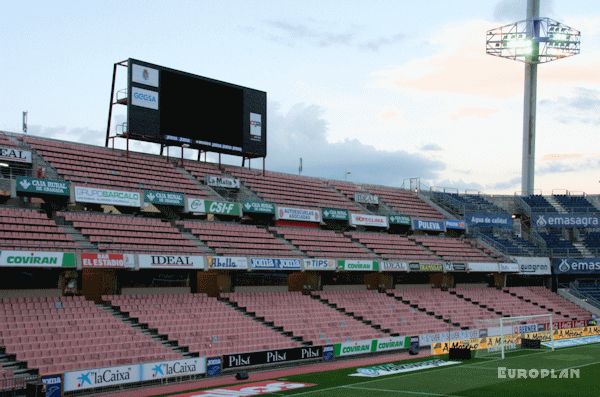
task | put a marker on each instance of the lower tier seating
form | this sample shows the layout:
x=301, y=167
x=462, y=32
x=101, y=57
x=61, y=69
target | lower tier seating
x=304, y=316
x=205, y=325
x=385, y=311
x=69, y=333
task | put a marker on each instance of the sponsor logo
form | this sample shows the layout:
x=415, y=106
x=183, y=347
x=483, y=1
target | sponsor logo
x=534, y=373
x=103, y=377
x=369, y=220
x=358, y=265
x=144, y=75
x=256, y=126
x=432, y=225
x=259, y=207
x=224, y=182
x=14, y=154
x=577, y=266
x=238, y=360
x=105, y=196
x=455, y=224
x=391, y=266
x=366, y=198
x=308, y=352
x=566, y=220
x=319, y=264
x=227, y=262
x=173, y=368
x=247, y=390
x=337, y=214
x=400, y=220
x=213, y=366
x=144, y=98
x=298, y=214
x=391, y=369
x=107, y=260
x=496, y=220
x=276, y=263
x=171, y=261
x=163, y=198
x=44, y=186
x=36, y=259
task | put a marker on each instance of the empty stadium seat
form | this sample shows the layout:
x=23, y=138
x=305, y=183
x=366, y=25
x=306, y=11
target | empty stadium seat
x=25, y=229
x=114, y=168
x=205, y=325
x=323, y=243
x=68, y=333
x=304, y=316
x=235, y=239
x=393, y=246
x=126, y=233
x=453, y=249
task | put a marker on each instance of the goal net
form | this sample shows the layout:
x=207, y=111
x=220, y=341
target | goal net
x=506, y=334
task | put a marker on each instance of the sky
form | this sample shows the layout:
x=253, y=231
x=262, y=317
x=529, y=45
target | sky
x=372, y=91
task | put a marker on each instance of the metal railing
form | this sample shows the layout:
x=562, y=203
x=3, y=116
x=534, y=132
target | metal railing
x=574, y=290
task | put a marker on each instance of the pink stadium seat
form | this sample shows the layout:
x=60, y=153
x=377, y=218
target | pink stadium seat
x=323, y=243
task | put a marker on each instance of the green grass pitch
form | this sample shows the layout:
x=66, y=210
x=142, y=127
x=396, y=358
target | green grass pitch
x=474, y=378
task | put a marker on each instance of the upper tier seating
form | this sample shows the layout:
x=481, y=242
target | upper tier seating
x=304, y=316
x=405, y=202
x=544, y=296
x=323, y=243
x=85, y=164
x=24, y=229
x=292, y=190
x=126, y=233
x=503, y=302
x=592, y=240
x=449, y=306
x=393, y=246
x=453, y=249
x=538, y=203
x=460, y=203
x=558, y=244
x=200, y=169
x=70, y=333
x=4, y=140
x=512, y=245
x=203, y=324
x=235, y=239
x=384, y=310
x=589, y=288
x=575, y=203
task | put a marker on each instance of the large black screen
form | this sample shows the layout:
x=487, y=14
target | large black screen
x=173, y=107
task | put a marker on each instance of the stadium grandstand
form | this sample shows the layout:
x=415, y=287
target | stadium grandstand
x=114, y=258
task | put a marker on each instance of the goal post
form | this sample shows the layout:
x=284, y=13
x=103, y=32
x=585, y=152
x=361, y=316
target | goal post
x=505, y=334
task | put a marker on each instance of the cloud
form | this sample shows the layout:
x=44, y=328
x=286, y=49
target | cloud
x=507, y=184
x=302, y=132
x=299, y=132
x=472, y=112
x=582, y=106
x=567, y=166
x=431, y=147
x=321, y=34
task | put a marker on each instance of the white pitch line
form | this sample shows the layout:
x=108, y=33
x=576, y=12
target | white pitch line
x=420, y=393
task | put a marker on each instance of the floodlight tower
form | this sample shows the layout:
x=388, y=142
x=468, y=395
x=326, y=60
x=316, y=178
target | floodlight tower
x=532, y=41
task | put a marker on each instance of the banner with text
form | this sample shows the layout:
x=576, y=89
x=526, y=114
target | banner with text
x=163, y=198
x=432, y=225
x=488, y=219
x=227, y=262
x=426, y=267
x=483, y=267
x=101, y=377
x=37, y=259
x=14, y=154
x=366, y=198
x=201, y=206
x=393, y=266
x=533, y=265
x=259, y=207
x=554, y=220
x=26, y=184
x=275, y=264
x=358, y=265
x=403, y=220
x=369, y=220
x=272, y=356
x=86, y=194
x=319, y=264
x=174, y=368
x=171, y=262
x=298, y=214
x=91, y=259
x=335, y=214
x=576, y=265
x=221, y=181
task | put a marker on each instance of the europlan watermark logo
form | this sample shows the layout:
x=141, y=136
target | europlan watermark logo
x=538, y=373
